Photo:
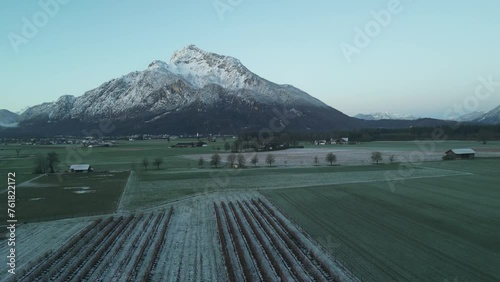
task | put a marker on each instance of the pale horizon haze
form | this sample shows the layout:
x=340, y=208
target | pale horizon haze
x=421, y=58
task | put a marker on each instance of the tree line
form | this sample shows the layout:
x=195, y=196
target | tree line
x=482, y=133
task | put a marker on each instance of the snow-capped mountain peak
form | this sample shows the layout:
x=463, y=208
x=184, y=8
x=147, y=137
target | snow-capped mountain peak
x=157, y=64
x=193, y=79
x=201, y=68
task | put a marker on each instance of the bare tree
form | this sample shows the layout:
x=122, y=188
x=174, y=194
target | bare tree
x=231, y=159
x=53, y=161
x=241, y=160
x=316, y=160
x=227, y=146
x=484, y=135
x=331, y=158
x=40, y=164
x=201, y=162
x=235, y=147
x=392, y=159
x=254, y=160
x=157, y=162
x=376, y=157
x=215, y=160
x=145, y=163
x=270, y=159
x=18, y=151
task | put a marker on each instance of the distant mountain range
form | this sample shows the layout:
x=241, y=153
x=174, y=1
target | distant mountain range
x=381, y=116
x=491, y=117
x=196, y=92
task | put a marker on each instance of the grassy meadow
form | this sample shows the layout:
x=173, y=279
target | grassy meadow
x=69, y=195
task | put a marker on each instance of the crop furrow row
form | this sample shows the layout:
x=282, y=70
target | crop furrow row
x=234, y=234
x=71, y=270
x=225, y=252
x=68, y=257
x=130, y=250
x=115, y=249
x=266, y=246
x=103, y=250
x=299, y=242
x=292, y=260
x=158, y=245
x=38, y=269
x=145, y=245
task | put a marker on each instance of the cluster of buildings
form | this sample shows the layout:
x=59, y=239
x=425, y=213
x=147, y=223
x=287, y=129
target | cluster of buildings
x=332, y=141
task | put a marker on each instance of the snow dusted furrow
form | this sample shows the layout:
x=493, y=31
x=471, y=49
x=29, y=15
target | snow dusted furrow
x=157, y=248
x=103, y=266
x=236, y=237
x=126, y=254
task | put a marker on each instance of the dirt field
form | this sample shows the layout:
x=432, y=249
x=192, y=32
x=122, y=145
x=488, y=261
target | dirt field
x=53, y=234
x=210, y=238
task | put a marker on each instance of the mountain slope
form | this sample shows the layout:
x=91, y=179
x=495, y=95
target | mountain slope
x=197, y=91
x=8, y=118
x=492, y=116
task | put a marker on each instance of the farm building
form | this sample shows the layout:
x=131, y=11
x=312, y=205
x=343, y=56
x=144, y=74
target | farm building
x=184, y=145
x=81, y=168
x=320, y=142
x=190, y=145
x=461, y=153
x=342, y=141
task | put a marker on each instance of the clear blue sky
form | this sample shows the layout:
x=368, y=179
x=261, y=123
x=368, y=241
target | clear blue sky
x=427, y=58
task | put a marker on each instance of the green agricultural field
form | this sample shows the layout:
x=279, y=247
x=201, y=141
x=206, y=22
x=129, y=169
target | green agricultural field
x=124, y=155
x=435, y=222
x=426, y=229
x=67, y=195
x=155, y=187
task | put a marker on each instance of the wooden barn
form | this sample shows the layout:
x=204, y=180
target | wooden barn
x=81, y=168
x=464, y=154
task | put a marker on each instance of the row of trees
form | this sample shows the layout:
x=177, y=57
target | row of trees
x=239, y=160
x=50, y=162
x=157, y=162
x=236, y=160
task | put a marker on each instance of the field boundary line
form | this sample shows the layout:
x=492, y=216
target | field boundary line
x=451, y=170
x=25, y=182
x=119, y=204
x=31, y=180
